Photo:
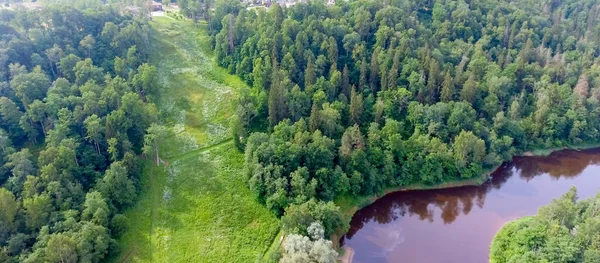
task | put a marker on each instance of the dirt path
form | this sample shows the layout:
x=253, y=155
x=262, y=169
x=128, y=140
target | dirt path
x=126, y=258
x=200, y=150
x=348, y=255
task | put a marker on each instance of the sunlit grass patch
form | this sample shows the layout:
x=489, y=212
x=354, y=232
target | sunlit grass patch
x=198, y=208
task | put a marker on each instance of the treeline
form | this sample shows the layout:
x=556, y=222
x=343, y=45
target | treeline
x=75, y=103
x=364, y=95
x=566, y=230
x=197, y=9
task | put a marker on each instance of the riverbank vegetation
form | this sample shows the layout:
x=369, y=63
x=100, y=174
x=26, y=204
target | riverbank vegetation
x=76, y=99
x=566, y=230
x=360, y=96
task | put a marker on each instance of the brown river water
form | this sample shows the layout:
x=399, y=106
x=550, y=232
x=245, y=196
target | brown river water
x=458, y=224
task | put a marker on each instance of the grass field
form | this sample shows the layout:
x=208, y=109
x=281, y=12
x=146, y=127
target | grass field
x=198, y=208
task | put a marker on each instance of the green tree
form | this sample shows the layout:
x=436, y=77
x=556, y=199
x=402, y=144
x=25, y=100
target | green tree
x=85, y=71
x=448, y=90
x=112, y=149
x=94, y=129
x=30, y=86
x=310, y=75
x=469, y=151
x=151, y=140
x=277, y=106
x=351, y=140
x=146, y=80
x=95, y=207
x=329, y=120
x=67, y=65
x=61, y=248
x=117, y=186
x=469, y=90
x=356, y=107
x=11, y=116
x=297, y=218
x=362, y=23
x=87, y=44
x=298, y=103
x=37, y=210
x=10, y=207
x=21, y=166
x=54, y=54
x=37, y=112
x=303, y=187
x=345, y=88
x=392, y=76
x=92, y=241
x=374, y=73
x=362, y=80
x=332, y=51
x=314, y=120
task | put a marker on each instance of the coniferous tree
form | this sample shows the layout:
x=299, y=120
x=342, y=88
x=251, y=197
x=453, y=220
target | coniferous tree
x=314, y=118
x=277, y=107
x=448, y=91
x=469, y=90
x=356, y=107
x=346, y=82
x=310, y=75
x=374, y=73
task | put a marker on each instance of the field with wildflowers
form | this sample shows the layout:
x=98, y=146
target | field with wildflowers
x=197, y=208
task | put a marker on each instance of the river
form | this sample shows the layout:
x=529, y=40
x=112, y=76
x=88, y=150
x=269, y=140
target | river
x=458, y=224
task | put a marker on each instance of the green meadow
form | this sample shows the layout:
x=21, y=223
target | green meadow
x=197, y=208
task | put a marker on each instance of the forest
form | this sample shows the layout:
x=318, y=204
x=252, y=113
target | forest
x=566, y=230
x=360, y=96
x=75, y=103
x=345, y=99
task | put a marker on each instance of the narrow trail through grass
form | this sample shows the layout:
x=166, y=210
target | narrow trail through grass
x=198, y=208
x=203, y=149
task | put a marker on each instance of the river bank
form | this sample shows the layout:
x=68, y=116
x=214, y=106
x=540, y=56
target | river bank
x=349, y=205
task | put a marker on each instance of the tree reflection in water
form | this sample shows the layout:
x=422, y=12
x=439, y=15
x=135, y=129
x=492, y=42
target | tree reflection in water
x=459, y=201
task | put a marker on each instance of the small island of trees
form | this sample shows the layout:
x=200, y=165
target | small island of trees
x=566, y=230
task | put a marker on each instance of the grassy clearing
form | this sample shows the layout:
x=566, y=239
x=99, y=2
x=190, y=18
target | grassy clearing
x=198, y=208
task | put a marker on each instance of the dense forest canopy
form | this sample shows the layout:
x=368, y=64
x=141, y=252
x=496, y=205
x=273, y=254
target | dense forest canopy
x=566, y=230
x=363, y=95
x=75, y=104
x=346, y=99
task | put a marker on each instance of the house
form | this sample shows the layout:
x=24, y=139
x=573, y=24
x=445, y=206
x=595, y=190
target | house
x=133, y=10
x=29, y=5
x=156, y=6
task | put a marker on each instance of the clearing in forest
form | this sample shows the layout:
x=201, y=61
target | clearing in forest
x=197, y=208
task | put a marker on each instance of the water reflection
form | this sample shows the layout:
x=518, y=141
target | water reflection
x=565, y=164
x=438, y=208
